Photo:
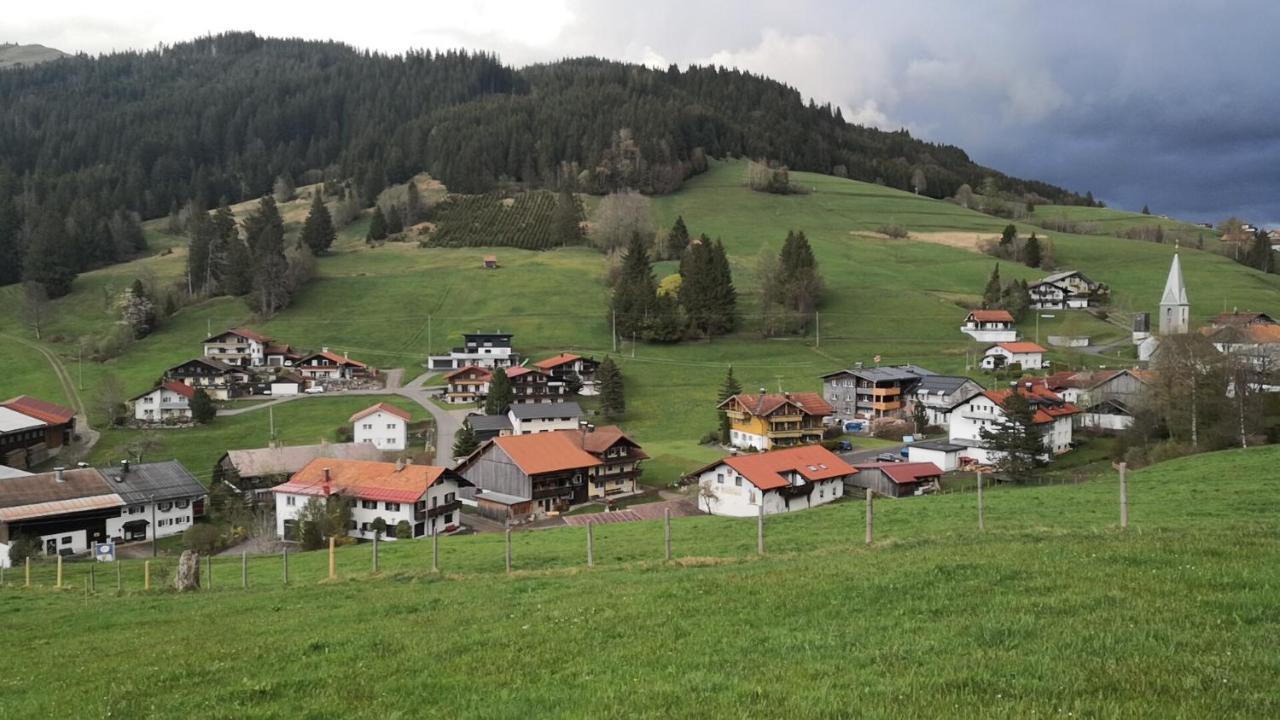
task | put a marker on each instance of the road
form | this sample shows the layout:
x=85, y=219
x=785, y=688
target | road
x=867, y=456
x=88, y=436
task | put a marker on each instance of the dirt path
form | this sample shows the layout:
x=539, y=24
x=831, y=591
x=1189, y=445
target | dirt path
x=88, y=436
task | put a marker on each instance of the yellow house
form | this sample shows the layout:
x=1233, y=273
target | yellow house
x=766, y=421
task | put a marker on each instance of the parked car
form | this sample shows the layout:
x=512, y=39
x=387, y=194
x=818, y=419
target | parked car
x=888, y=457
x=314, y=389
x=844, y=446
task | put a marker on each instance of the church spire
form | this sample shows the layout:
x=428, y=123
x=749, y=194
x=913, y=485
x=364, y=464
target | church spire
x=1175, y=308
x=1175, y=290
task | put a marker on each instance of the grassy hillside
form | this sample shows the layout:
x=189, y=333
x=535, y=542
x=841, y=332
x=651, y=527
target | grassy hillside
x=13, y=55
x=900, y=299
x=1051, y=612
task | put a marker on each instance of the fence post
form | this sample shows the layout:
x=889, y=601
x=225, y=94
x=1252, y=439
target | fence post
x=59, y=583
x=244, y=570
x=28, y=584
x=146, y=574
x=209, y=569
x=760, y=527
x=284, y=563
x=981, y=520
x=93, y=576
x=591, y=549
x=666, y=531
x=333, y=561
x=435, y=551
x=1124, y=496
x=119, y=579
x=870, y=517
x=508, y=551
x=375, y=552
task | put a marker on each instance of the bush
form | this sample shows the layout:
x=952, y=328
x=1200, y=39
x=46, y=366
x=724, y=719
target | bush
x=23, y=547
x=343, y=433
x=404, y=531
x=203, y=538
x=379, y=527
x=893, y=230
x=832, y=432
x=890, y=428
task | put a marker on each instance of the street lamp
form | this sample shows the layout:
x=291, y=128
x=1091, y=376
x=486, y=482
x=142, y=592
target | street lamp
x=1038, y=316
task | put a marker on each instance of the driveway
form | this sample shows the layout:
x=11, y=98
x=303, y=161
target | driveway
x=868, y=456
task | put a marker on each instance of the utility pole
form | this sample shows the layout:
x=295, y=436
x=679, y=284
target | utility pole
x=428, y=338
x=154, y=551
x=271, y=426
x=208, y=327
x=614, y=314
x=817, y=329
x=80, y=363
x=633, y=345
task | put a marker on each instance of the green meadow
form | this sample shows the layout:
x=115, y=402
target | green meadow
x=1052, y=611
x=902, y=300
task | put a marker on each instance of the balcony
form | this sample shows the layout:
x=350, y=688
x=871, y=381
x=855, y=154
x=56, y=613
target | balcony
x=438, y=510
x=886, y=392
x=886, y=406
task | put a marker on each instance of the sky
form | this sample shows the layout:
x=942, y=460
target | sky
x=1172, y=104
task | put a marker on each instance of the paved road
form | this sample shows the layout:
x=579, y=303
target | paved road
x=865, y=456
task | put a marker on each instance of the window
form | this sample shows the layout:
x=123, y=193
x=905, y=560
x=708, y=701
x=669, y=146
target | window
x=738, y=481
x=448, y=518
x=290, y=500
x=435, y=501
x=66, y=540
x=364, y=527
x=392, y=507
x=367, y=426
x=165, y=506
x=391, y=426
x=720, y=478
x=449, y=497
x=369, y=504
x=182, y=504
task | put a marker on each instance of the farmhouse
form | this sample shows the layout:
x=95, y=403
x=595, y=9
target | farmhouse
x=384, y=426
x=871, y=392
x=779, y=480
x=32, y=430
x=1027, y=355
x=70, y=509
x=238, y=347
x=467, y=385
x=247, y=471
x=168, y=402
x=765, y=421
x=524, y=476
x=985, y=410
x=1235, y=318
x=543, y=417
x=898, y=479
x=488, y=350
x=572, y=370
x=220, y=380
x=990, y=326
x=1062, y=290
x=1259, y=343
x=422, y=497
x=325, y=365
x=939, y=393
x=1108, y=397
x=530, y=385
x=619, y=457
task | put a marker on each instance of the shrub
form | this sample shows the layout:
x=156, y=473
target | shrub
x=832, y=432
x=343, y=433
x=203, y=538
x=890, y=428
x=379, y=526
x=893, y=230
x=23, y=547
x=404, y=531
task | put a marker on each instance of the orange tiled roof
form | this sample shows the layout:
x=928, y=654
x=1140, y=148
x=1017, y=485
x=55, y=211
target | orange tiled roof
x=381, y=407
x=485, y=373
x=764, y=405
x=1021, y=347
x=812, y=462
x=362, y=479
x=992, y=316
x=182, y=389
x=41, y=410
x=1045, y=413
x=557, y=361
x=539, y=453
x=334, y=358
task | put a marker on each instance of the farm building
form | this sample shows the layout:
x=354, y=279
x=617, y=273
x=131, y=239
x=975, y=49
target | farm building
x=260, y=469
x=990, y=326
x=384, y=426
x=487, y=427
x=523, y=476
x=943, y=454
x=33, y=430
x=781, y=481
x=898, y=479
x=1027, y=355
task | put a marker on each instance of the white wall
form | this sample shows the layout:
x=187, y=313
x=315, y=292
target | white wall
x=284, y=389
x=174, y=519
x=382, y=429
x=1029, y=361
x=948, y=461
x=736, y=497
x=738, y=438
x=526, y=427
x=288, y=506
x=161, y=404
x=1106, y=421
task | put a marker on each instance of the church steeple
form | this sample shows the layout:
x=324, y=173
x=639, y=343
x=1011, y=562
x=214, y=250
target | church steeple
x=1175, y=308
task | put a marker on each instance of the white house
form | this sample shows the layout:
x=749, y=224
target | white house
x=384, y=426
x=1061, y=290
x=239, y=347
x=784, y=480
x=170, y=401
x=1027, y=355
x=160, y=499
x=985, y=410
x=543, y=417
x=486, y=350
x=326, y=365
x=423, y=497
x=990, y=326
x=939, y=393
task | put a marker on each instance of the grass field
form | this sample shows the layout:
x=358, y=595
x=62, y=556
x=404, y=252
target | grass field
x=1052, y=612
x=900, y=299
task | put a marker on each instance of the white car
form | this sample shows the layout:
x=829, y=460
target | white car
x=314, y=389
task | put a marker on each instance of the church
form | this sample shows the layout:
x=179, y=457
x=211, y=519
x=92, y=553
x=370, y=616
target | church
x=1175, y=312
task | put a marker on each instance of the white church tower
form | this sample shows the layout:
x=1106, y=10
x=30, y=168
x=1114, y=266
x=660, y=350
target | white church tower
x=1175, y=309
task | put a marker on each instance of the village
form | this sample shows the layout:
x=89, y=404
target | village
x=523, y=451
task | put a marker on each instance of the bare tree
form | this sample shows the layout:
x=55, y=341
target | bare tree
x=707, y=493
x=918, y=181
x=619, y=216
x=109, y=400
x=37, y=310
x=964, y=196
x=143, y=444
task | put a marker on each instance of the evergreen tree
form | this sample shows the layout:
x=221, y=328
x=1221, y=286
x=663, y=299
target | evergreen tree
x=202, y=407
x=317, y=231
x=1145, y=210
x=798, y=286
x=395, y=221
x=1160, y=234
x=1007, y=237
x=377, y=226
x=413, y=207
x=724, y=295
x=706, y=292
x=993, y=293
x=1015, y=440
x=636, y=292
x=198, y=251
x=728, y=389
x=50, y=259
x=1031, y=252
x=501, y=394
x=1260, y=255
x=567, y=219
x=665, y=325
x=1016, y=298
x=264, y=234
x=612, y=391
x=464, y=441
x=677, y=239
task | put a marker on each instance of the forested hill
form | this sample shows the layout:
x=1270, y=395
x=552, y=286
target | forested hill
x=86, y=142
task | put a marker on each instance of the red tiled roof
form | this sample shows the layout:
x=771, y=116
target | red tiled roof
x=519, y=370
x=362, y=479
x=539, y=453
x=764, y=405
x=485, y=373
x=334, y=358
x=1043, y=414
x=41, y=410
x=182, y=389
x=381, y=407
x=601, y=439
x=992, y=316
x=1020, y=347
x=1239, y=318
x=557, y=361
x=248, y=334
x=907, y=473
x=764, y=470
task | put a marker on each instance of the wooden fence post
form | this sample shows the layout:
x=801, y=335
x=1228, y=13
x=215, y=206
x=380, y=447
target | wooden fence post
x=284, y=563
x=1124, y=496
x=375, y=552
x=28, y=582
x=146, y=574
x=666, y=531
x=333, y=561
x=760, y=527
x=209, y=569
x=870, y=517
x=981, y=520
x=435, y=551
x=244, y=570
x=119, y=572
x=591, y=549
x=508, y=551
x=93, y=576
x=59, y=583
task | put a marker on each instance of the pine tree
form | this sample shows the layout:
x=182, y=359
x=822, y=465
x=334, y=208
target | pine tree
x=202, y=407
x=1031, y=252
x=1016, y=298
x=501, y=394
x=317, y=231
x=395, y=221
x=567, y=219
x=728, y=389
x=464, y=441
x=612, y=391
x=636, y=292
x=264, y=233
x=677, y=239
x=50, y=259
x=665, y=325
x=798, y=285
x=1145, y=210
x=1007, y=237
x=377, y=226
x=1015, y=440
x=724, y=295
x=993, y=293
x=413, y=208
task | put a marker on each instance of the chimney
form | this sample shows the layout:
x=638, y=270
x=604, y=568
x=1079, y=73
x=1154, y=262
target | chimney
x=324, y=348
x=58, y=476
x=124, y=467
x=399, y=464
x=325, y=487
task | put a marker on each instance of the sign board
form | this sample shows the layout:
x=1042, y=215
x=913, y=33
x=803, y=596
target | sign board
x=104, y=552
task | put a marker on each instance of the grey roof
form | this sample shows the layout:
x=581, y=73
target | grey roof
x=944, y=384
x=501, y=498
x=884, y=374
x=1063, y=275
x=288, y=460
x=937, y=445
x=9, y=472
x=1175, y=290
x=489, y=422
x=156, y=481
x=211, y=362
x=543, y=411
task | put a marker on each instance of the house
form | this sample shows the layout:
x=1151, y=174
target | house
x=943, y=454
x=247, y=471
x=422, y=496
x=572, y=370
x=990, y=326
x=238, y=347
x=1259, y=343
x=939, y=393
x=783, y=480
x=468, y=384
x=168, y=402
x=898, y=479
x=220, y=380
x=326, y=365
x=543, y=417
x=1108, y=398
x=1027, y=355
x=985, y=410
x=488, y=350
x=33, y=430
x=490, y=262
x=280, y=355
x=69, y=510
x=765, y=421
x=871, y=392
x=530, y=385
x=487, y=427
x=525, y=476
x=1235, y=318
x=619, y=457
x=384, y=426
x=1062, y=290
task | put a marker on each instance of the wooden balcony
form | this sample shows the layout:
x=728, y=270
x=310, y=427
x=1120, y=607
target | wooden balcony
x=886, y=406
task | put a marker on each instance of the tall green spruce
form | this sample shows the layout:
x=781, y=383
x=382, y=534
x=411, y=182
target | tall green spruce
x=317, y=231
x=613, y=402
x=706, y=289
x=677, y=240
x=230, y=262
x=501, y=394
x=635, y=296
x=1015, y=440
x=993, y=294
x=1016, y=298
x=464, y=441
x=264, y=231
x=728, y=389
x=1031, y=252
x=50, y=258
x=377, y=226
x=797, y=286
